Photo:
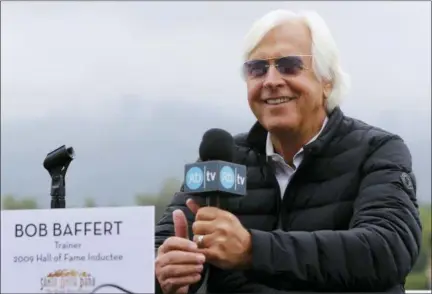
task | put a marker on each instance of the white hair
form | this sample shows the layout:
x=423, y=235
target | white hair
x=326, y=63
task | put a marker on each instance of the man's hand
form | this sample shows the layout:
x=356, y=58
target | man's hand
x=178, y=263
x=225, y=242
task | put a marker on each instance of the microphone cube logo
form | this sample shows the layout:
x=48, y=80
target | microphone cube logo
x=215, y=176
x=227, y=177
x=194, y=178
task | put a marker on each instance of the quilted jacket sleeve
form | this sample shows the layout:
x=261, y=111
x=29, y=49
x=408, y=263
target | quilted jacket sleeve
x=379, y=249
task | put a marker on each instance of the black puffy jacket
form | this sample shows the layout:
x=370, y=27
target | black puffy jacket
x=349, y=219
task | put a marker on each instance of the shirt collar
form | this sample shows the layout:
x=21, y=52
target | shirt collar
x=269, y=145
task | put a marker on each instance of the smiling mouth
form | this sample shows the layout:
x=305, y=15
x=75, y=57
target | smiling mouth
x=279, y=100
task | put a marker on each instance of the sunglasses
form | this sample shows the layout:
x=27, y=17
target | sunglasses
x=288, y=66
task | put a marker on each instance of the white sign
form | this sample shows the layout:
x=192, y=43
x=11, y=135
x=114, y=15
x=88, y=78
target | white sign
x=75, y=250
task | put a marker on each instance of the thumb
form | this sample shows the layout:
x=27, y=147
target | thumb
x=180, y=224
x=192, y=205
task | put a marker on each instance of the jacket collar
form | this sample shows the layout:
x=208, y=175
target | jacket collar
x=258, y=134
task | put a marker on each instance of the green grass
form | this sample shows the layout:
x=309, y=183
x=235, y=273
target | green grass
x=416, y=281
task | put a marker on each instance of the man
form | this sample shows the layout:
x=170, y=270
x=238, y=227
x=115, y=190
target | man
x=331, y=201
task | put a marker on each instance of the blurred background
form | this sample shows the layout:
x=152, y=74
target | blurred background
x=132, y=86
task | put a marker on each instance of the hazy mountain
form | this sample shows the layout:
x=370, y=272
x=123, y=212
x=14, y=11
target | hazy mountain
x=120, y=156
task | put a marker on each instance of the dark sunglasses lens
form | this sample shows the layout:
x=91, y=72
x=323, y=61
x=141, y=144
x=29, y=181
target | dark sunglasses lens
x=290, y=65
x=256, y=68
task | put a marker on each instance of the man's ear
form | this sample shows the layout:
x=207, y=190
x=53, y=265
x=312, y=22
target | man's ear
x=327, y=88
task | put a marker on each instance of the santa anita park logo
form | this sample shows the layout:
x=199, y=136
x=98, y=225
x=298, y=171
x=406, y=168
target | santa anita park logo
x=68, y=281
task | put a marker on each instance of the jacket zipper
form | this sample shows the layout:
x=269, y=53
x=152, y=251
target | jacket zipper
x=288, y=199
x=270, y=173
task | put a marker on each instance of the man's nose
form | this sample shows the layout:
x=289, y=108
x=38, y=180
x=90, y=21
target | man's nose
x=273, y=78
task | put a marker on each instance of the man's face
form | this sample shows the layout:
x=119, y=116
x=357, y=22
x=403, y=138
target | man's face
x=305, y=91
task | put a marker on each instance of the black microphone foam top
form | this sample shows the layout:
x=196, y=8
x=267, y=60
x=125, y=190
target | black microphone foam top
x=217, y=144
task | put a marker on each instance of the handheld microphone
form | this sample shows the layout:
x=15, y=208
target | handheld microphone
x=215, y=175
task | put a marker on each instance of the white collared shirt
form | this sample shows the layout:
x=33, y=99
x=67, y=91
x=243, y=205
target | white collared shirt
x=284, y=171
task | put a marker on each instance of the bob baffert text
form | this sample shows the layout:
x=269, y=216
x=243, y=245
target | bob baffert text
x=98, y=228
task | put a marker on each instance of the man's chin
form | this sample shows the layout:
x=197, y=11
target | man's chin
x=280, y=127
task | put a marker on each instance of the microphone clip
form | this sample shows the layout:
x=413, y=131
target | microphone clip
x=57, y=163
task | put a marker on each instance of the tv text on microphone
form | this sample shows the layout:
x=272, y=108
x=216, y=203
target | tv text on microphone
x=215, y=175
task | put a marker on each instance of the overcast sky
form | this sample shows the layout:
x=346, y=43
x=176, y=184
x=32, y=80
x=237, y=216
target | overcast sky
x=105, y=64
x=83, y=55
